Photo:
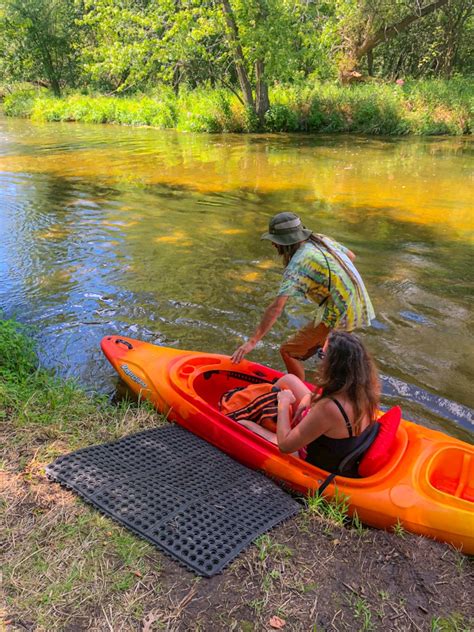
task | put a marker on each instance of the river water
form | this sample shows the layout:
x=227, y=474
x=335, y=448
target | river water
x=155, y=235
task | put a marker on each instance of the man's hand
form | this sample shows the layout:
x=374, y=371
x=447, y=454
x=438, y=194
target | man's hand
x=269, y=317
x=239, y=353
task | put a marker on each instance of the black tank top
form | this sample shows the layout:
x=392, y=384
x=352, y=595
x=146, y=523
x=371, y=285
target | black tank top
x=326, y=452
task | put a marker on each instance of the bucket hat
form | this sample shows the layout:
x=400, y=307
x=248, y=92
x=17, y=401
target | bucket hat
x=286, y=229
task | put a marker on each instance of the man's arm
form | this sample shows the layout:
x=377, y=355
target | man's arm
x=270, y=316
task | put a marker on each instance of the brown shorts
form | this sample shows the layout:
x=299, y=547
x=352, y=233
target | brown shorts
x=306, y=341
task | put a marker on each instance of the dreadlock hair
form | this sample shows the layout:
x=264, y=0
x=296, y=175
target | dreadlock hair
x=287, y=252
x=318, y=241
x=348, y=367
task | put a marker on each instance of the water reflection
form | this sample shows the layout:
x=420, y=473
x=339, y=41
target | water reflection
x=156, y=236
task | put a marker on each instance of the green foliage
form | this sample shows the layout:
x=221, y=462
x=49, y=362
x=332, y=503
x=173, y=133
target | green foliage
x=399, y=529
x=206, y=111
x=17, y=354
x=129, y=47
x=36, y=402
x=363, y=614
x=20, y=103
x=90, y=109
x=417, y=107
x=37, y=41
x=267, y=547
x=279, y=118
x=335, y=510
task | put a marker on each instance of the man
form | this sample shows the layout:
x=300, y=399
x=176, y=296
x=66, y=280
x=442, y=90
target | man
x=322, y=271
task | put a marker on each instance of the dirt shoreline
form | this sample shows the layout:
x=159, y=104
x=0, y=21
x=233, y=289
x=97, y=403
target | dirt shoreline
x=69, y=568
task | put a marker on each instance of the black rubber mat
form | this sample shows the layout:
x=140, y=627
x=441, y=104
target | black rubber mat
x=179, y=493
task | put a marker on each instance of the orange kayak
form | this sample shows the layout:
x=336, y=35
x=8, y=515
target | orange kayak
x=427, y=486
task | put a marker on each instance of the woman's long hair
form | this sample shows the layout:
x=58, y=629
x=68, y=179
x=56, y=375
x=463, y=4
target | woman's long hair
x=287, y=252
x=348, y=367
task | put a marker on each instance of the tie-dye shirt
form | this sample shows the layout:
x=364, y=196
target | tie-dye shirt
x=306, y=276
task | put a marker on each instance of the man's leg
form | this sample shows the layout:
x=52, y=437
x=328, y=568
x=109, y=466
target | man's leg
x=302, y=346
x=293, y=366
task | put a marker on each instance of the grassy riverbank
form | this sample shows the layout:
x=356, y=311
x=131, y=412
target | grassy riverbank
x=67, y=567
x=416, y=107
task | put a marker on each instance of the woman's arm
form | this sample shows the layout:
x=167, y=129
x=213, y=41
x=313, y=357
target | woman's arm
x=302, y=406
x=314, y=424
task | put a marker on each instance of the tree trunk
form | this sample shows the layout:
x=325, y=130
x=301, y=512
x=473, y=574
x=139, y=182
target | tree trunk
x=261, y=91
x=370, y=63
x=50, y=71
x=456, y=17
x=177, y=75
x=239, y=60
x=55, y=87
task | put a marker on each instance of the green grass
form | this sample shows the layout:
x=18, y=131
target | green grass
x=60, y=554
x=363, y=614
x=398, y=529
x=452, y=623
x=38, y=405
x=267, y=548
x=335, y=510
x=424, y=107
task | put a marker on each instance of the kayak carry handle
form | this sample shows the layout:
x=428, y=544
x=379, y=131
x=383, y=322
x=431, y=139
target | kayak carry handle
x=124, y=342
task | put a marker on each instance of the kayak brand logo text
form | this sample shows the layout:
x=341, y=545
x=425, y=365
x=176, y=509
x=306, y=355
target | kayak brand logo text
x=132, y=375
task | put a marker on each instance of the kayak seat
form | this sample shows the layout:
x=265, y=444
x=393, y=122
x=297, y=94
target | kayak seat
x=381, y=450
x=348, y=462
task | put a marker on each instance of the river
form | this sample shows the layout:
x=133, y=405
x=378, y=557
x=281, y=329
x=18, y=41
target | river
x=155, y=235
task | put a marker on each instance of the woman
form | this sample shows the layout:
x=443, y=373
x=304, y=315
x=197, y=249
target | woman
x=322, y=271
x=332, y=422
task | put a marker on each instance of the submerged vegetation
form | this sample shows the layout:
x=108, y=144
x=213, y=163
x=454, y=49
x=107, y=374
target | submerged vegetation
x=426, y=107
x=383, y=67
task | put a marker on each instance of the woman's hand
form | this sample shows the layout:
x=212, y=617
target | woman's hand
x=239, y=353
x=286, y=396
x=302, y=406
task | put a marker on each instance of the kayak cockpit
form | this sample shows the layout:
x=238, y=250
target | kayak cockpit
x=451, y=471
x=211, y=384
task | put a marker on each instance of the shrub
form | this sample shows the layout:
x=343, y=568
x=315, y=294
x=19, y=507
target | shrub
x=280, y=118
x=20, y=103
x=213, y=111
x=416, y=107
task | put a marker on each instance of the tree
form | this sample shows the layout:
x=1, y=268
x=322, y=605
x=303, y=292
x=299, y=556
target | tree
x=38, y=36
x=363, y=26
x=438, y=46
x=261, y=37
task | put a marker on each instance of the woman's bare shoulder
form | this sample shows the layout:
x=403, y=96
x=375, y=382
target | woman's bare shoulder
x=325, y=405
x=323, y=410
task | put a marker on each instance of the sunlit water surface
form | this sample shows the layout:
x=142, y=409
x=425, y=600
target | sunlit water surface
x=155, y=235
